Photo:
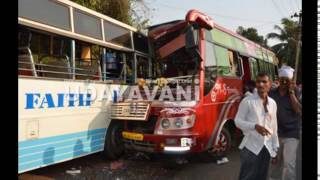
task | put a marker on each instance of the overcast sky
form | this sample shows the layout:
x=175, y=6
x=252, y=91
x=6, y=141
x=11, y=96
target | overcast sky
x=260, y=14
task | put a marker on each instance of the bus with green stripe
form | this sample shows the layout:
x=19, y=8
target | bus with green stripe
x=216, y=63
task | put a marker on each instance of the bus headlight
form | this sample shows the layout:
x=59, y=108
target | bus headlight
x=178, y=122
x=174, y=123
x=165, y=123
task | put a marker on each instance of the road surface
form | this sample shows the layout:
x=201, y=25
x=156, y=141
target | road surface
x=140, y=167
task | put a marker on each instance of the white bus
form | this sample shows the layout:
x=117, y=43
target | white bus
x=73, y=63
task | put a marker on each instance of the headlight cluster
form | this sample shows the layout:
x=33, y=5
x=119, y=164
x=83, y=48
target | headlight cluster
x=183, y=122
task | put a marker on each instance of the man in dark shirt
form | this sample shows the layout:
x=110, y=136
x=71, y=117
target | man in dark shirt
x=288, y=116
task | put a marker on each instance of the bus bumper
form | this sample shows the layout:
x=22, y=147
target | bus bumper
x=175, y=144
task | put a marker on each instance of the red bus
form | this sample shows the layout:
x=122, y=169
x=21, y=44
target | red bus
x=216, y=62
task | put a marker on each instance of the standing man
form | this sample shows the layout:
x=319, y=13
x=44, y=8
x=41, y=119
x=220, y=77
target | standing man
x=249, y=88
x=288, y=115
x=257, y=119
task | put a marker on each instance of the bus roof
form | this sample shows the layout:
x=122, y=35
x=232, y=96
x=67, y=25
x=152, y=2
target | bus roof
x=220, y=35
x=251, y=47
x=70, y=19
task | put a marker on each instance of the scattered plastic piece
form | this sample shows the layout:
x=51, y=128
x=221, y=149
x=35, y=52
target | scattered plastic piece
x=73, y=171
x=116, y=165
x=223, y=161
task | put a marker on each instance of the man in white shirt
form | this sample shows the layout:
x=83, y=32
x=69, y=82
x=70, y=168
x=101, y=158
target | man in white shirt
x=249, y=88
x=257, y=119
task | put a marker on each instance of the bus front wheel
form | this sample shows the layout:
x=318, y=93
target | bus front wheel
x=223, y=146
x=113, y=147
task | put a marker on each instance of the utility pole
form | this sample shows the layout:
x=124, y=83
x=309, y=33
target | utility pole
x=298, y=46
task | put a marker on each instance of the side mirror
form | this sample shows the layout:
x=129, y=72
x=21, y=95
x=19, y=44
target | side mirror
x=191, y=38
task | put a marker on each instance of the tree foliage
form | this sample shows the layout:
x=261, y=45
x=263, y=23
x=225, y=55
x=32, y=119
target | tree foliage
x=252, y=34
x=286, y=48
x=288, y=36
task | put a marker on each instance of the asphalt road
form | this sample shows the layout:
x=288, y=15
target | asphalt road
x=139, y=166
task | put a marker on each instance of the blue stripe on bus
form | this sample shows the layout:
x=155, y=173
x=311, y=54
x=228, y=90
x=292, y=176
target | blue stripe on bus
x=50, y=161
x=46, y=151
x=51, y=151
x=27, y=143
x=64, y=142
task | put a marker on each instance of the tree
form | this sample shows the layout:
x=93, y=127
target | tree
x=286, y=48
x=121, y=10
x=287, y=35
x=252, y=34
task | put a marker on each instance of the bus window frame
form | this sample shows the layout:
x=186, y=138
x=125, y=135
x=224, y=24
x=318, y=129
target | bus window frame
x=43, y=36
x=99, y=61
x=228, y=50
x=207, y=90
x=147, y=62
x=72, y=56
x=254, y=69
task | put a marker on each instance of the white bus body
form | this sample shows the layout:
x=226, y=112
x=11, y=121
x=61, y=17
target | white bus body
x=52, y=130
x=64, y=113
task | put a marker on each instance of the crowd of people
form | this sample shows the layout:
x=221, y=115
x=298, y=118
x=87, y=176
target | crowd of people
x=269, y=116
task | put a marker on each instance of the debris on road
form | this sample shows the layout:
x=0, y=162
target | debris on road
x=181, y=161
x=158, y=168
x=137, y=156
x=73, y=171
x=116, y=165
x=222, y=161
x=141, y=156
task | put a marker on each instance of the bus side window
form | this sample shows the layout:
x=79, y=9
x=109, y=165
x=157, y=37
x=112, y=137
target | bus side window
x=261, y=66
x=222, y=61
x=142, y=67
x=271, y=67
x=25, y=62
x=237, y=64
x=88, y=61
x=227, y=62
x=48, y=54
x=118, y=65
x=268, y=68
x=53, y=59
x=276, y=72
x=253, y=68
x=233, y=68
x=129, y=68
x=210, y=68
x=252, y=73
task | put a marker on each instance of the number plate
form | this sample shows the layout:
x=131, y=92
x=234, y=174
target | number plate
x=126, y=110
x=133, y=136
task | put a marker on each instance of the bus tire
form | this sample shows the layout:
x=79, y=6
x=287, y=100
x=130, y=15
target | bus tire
x=224, y=142
x=114, y=147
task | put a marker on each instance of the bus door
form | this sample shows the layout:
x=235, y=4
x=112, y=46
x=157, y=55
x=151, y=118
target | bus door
x=222, y=92
x=246, y=69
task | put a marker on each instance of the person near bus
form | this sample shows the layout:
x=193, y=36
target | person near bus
x=257, y=119
x=289, y=113
x=275, y=84
x=249, y=88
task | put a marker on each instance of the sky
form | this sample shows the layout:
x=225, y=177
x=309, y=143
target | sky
x=260, y=14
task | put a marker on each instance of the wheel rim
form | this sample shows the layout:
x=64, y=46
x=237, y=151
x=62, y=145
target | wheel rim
x=221, y=146
x=223, y=142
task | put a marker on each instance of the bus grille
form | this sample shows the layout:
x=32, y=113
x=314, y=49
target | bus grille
x=130, y=111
